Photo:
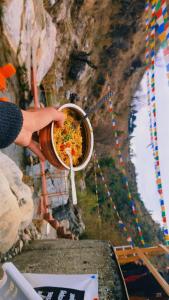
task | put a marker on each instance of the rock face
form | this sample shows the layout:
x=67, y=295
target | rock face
x=28, y=28
x=94, y=39
x=112, y=32
x=16, y=205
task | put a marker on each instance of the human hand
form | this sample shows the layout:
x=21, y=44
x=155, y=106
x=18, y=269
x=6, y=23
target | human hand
x=59, y=117
x=33, y=121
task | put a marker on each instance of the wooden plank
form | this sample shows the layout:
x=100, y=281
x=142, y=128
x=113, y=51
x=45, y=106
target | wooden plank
x=123, y=247
x=125, y=256
x=154, y=271
x=122, y=276
x=125, y=252
x=152, y=250
x=144, y=250
x=126, y=260
x=165, y=248
x=132, y=257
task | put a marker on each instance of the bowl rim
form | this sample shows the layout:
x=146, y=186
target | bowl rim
x=84, y=164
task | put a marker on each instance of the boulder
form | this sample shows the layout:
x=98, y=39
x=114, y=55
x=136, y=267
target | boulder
x=21, y=191
x=70, y=217
x=29, y=28
x=16, y=204
x=10, y=215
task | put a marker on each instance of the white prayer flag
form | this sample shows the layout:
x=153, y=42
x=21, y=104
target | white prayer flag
x=29, y=286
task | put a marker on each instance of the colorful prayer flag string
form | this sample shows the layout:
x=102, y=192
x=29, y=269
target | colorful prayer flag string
x=155, y=135
x=96, y=187
x=121, y=161
x=157, y=11
x=162, y=23
x=147, y=60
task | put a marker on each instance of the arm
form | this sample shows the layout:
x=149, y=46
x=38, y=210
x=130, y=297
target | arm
x=34, y=121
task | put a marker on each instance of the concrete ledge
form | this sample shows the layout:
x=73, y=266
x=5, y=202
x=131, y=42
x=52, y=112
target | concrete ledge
x=74, y=257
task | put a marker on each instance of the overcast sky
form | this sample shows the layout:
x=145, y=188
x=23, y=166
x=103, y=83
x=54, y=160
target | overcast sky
x=143, y=158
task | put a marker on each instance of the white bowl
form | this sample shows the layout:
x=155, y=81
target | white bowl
x=89, y=139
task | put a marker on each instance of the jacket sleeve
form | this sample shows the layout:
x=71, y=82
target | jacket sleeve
x=11, y=122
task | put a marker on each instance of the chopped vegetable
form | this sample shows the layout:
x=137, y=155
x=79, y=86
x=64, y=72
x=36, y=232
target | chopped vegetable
x=69, y=136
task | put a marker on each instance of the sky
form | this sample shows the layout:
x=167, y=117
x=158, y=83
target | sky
x=142, y=152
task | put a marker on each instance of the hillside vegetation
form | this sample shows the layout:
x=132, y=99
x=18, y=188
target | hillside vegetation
x=100, y=217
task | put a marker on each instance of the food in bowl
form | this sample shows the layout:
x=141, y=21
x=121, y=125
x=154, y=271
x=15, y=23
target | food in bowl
x=69, y=137
x=48, y=143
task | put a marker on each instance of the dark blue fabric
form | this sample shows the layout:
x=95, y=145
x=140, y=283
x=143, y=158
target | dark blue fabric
x=11, y=121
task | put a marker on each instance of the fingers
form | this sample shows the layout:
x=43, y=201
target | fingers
x=36, y=120
x=61, y=122
x=60, y=118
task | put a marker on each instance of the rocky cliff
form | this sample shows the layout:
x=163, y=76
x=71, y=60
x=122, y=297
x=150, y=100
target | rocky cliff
x=77, y=46
x=82, y=42
x=96, y=39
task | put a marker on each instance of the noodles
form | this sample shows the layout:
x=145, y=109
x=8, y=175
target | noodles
x=69, y=136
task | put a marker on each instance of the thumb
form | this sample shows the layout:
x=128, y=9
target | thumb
x=60, y=123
